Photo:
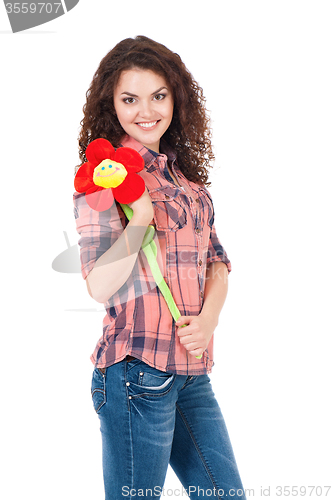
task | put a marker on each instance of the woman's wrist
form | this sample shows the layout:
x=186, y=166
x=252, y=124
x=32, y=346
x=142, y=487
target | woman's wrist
x=210, y=316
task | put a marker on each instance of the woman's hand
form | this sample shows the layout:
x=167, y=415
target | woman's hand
x=143, y=208
x=196, y=336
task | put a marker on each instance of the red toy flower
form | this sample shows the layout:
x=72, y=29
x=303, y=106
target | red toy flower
x=109, y=174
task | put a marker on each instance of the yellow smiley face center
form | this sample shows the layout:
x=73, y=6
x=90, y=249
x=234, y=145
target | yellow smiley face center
x=109, y=174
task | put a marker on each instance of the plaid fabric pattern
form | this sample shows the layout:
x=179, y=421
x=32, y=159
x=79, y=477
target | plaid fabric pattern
x=138, y=321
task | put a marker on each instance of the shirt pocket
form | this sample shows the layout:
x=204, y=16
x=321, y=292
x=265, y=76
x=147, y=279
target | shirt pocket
x=169, y=214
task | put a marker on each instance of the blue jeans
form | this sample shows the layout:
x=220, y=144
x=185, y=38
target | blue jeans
x=149, y=419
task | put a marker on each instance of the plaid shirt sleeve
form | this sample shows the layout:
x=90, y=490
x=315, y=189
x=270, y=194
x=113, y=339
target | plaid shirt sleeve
x=98, y=231
x=216, y=252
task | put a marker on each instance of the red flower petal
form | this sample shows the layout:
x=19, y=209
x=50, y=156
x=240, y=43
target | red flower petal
x=84, y=177
x=99, y=150
x=130, y=158
x=130, y=190
x=99, y=199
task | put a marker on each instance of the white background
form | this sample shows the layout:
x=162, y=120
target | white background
x=265, y=67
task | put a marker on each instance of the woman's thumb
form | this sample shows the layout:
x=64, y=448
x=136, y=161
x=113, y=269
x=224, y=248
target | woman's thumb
x=181, y=321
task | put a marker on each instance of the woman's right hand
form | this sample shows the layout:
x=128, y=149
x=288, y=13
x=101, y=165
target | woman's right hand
x=143, y=208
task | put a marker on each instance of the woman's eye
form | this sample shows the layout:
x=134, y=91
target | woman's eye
x=159, y=97
x=129, y=100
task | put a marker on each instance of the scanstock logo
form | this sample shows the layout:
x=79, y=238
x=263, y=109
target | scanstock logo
x=25, y=15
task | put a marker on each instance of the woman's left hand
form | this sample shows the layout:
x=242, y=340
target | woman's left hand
x=196, y=336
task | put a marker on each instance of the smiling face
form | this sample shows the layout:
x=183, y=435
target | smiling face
x=109, y=174
x=144, y=106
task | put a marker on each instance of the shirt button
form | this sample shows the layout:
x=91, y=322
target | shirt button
x=166, y=196
x=197, y=199
x=199, y=262
x=127, y=384
x=198, y=230
x=129, y=397
x=202, y=294
x=141, y=374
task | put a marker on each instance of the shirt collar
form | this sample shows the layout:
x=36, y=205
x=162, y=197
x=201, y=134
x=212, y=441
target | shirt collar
x=166, y=149
x=149, y=155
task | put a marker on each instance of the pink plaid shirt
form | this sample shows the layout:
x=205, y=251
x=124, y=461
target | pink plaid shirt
x=138, y=321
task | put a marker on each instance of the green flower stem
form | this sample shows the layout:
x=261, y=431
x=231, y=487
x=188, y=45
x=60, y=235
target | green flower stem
x=150, y=249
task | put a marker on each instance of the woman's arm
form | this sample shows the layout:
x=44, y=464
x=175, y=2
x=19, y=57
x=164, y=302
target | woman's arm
x=196, y=336
x=113, y=268
x=216, y=288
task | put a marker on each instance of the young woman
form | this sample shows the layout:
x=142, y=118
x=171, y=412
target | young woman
x=150, y=384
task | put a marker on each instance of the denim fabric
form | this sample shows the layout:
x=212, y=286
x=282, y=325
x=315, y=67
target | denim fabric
x=149, y=419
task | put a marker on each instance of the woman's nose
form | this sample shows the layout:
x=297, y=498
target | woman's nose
x=146, y=110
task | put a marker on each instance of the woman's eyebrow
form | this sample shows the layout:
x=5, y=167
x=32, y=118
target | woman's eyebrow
x=129, y=93
x=134, y=95
x=161, y=88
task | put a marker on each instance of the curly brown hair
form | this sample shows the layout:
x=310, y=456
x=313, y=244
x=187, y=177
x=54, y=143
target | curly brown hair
x=189, y=133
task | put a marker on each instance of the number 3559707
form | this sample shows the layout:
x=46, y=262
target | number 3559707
x=32, y=8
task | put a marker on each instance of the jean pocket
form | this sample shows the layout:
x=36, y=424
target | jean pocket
x=145, y=380
x=98, y=390
x=152, y=382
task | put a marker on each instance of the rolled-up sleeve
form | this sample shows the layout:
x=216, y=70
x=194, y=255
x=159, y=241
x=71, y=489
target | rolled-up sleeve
x=98, y=231
x=216, y=252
